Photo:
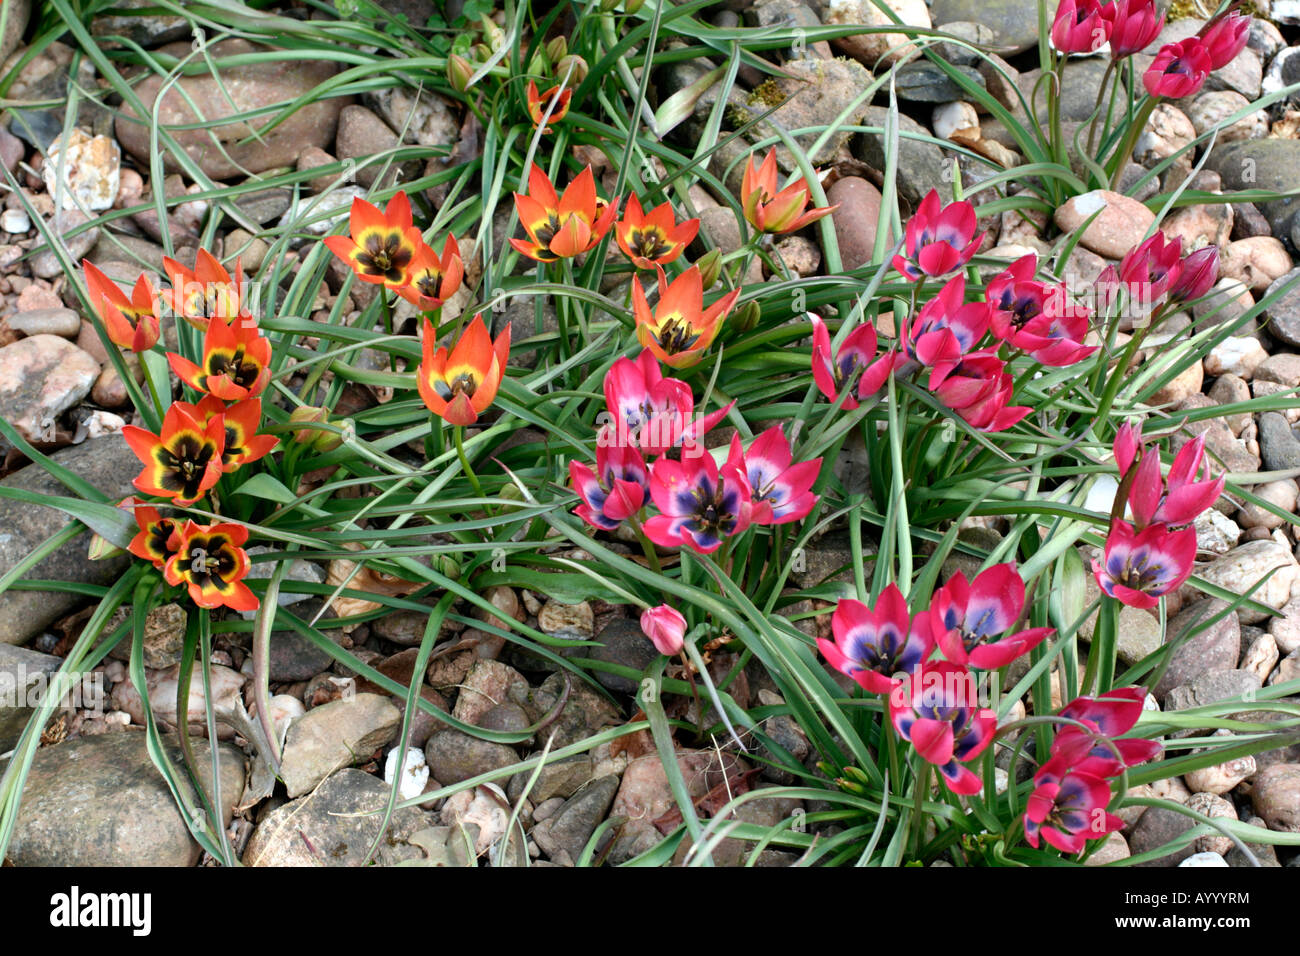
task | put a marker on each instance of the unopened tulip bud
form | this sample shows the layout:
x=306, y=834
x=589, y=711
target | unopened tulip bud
x=1199, y=273
x=320, y=439
x=710, y=266
x=447, y=566
x=746, y=317
x=101, y=548
x=665, y=627
x=578, y=66
x=493, y=34
x=459, y=72
x=557, y=48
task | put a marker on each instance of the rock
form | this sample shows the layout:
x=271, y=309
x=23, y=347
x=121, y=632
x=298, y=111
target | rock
x=924, y=82
x=922, y=166
x=1120, y=225
x=1221, y=778
x=1261, y=656
x=1264, y=164
x=1231, y=389
x=1216, y=533
x=163, y=687
x=1168, y=132
x=1211, y=687
x=1216, y=844
x=1157, y=827
x=621, y=642
x=1216, y=647
x=1210, y=109
x=1204, y=224
x=787, y=13
x=414, y=772
x=1240, y=569
x=1225, y=304
x=1186, y=383
x=45, y=264
x=61, y=322
x=18, y=12
x=146, y=29
x=109, y=391
x=801, y=256
x=644, y=795
x=84, y=173
x=487, y=684
x=335, y=735
x=557, y=778
x=573, y=621
x=164, y=638
x=568, y=830
x=24, y=676
x=362, y=134
x=871, y=47
x=424, y=117
x=15, y=221
x=1281, y=494
x=1285, y=630
x=1283, y=368
x=1139, y=634
x=812, y=93
x=949, y=118
x=454, y=756
x=1277, y=444
x=855, y=220
x=1284, y=311
x=1014, y=22
x=1256, y=262
x=109, y=465
x=584, y=713
x=335, y=826
x=251, y=87
x=1275, y=794
x=1113, y=849
x=1204, y=859
x=100, y=801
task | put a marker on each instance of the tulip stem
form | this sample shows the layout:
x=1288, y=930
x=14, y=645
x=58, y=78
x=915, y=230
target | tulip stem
x=458, y=435
x=922, y=786
x=1116, y=165
x=647, y=545
x=1096, y=108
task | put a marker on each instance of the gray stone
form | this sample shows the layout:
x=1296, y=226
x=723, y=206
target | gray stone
x=1157, y=827
x=454, y=756
x=23, y=674
x=61, y=322
x=569, y=828
x=1216, y=647
x=335, y=826
x=585, y=712
x=19, y=12
x=1278, y=446
x=1014, y=23
x=41, y=378
x=921, y=165
x=1266, y=164
x=100, y=801
x=109, y=465
x=1211, y=687
x=1283, y=312
x=621, y=642
x=812, y=93
x=925, y=82
x=557, y=778
x=335, y=735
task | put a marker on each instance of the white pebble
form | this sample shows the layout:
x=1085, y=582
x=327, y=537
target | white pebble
x=1204, y=859
x=15, y=221
x=415, y=772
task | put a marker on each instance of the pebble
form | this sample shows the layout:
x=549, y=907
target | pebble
x=45, y=264
x=15, y=221
x=1216, y=646
x=871, y=47
x=414, y=772
x=1238, y=355
x=571, y=621
x=61, y=322
x=1120, y=225
x=1261, y=657
x=85, y=171
x=1216, y=533
x=855, y=220
x=1157, y=827
x=42, y=377
x=1277, y=445
x=362, y=134
x=1210, y=109
x=568, y=830
x=1256, y=262
x=454, y=756
x=335, y=735
x=1204, y=859
x=1281, y=494
x=1285, y=630
x=487, y=684
x=1275, y=795
x=1281, y=367
x=1242, y=568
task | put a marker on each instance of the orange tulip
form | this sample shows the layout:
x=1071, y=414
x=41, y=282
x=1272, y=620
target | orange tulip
x=771, y=211
x=241, y=421
x=205, y=292
x=653, y=238
x=185, y=460
x=561, y=228
x=236, y=362
x=539, y=103
x=460, y=386
x=130, y=323
x=679, y=329
x=383, y=245
x=434, y=278
x=211, y=564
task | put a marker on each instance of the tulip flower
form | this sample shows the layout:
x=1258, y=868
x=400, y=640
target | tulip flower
x=131, y=323
x=185, y=460
x=153, y=541
x=650, y=412
x=781, y=490
x=977, y=387
x=241, y=421
x=1068, y=810
x=1185, y=495
x=561, y=228
x=616, y=490
x=1141, y=566
x=937, y=239
x=665, y=627
x=947, y=326
x=205, y=292
x=770, y=210
x=434, y=278
x=678, y=330
x=1134, y=26
x=382, y=246
x=700, y=504
x=1224, y=37
x=554, y=99
x=1079, y=27
x=936, y=709
x=211, y=564
x=972, y=619
x=1149, y=269
x=876, y=646
x=653, y=238
x=1197, y=275
x=1036, y=317
x=236, y=362
x=855, y=368
x=459, y=386
x=1178, y=70
x=1110, y=715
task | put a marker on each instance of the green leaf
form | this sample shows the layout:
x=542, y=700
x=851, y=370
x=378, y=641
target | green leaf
x=266, y=486
x=113, y=524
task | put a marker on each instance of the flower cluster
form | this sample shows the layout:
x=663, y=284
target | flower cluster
x=198, y=442
x=1072, y=789
x=1153, y=555
x=1157, y=273
x=700, y=502
x=1129, y=26
x=933, y=704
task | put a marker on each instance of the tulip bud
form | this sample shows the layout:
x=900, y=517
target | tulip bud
x=579, y=68
x=557, y=48
x=101, y=548
x=459, y=72
x=447, y=566
x=493, y=34
x=746, y=317
x=319, y=439
x=665, y=627
x=510, y=493
x=710, y=266
x=1199, y=273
